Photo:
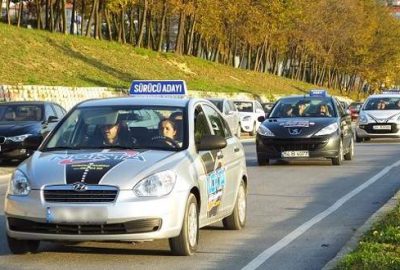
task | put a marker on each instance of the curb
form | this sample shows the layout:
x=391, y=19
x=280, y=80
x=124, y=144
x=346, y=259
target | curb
x=355, y=239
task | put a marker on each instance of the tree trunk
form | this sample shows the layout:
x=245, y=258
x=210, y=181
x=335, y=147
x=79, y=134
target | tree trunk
x=162, y=29
x=51, y=15
x=142, y=24
x=108, y=22
x=72, y=27
x=96, y=20
x=148, y=30
x=123, y=32
x=38, y=14
x=132, y=28
x=191, y=36
x=83, y=11
x=20, y=12
x=91, y=17
x=180, y=37
x=64, y=17
x=46, y=17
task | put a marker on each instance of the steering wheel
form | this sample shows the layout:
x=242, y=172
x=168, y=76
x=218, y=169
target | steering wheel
x=166, y=141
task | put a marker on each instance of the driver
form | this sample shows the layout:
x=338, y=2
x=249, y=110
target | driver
x=167, y=129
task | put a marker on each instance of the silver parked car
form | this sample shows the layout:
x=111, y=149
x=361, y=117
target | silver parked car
x=105, y=173
x=230, y=113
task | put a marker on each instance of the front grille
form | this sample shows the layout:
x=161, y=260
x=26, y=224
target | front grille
x=135, y=226
x=281, y=145
x=93, y=194
x=2, y=139
x=370, y=128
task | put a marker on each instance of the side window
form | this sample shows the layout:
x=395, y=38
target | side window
x=201, y=127
x=59, y=111
x=258, y=106
x=218, y=124
x=232, y=106
x=49, y=111
x=226, y=108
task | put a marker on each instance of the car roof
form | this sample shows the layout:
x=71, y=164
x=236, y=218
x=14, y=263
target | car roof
x=123, y=101
x=24, y=102
x=304, y=96
x=385, y=96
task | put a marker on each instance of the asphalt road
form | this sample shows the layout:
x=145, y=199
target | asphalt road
x=300, y=214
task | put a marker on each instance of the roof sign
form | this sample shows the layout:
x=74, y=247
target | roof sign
x=318, y=93
x=160, y=88
x=391, y=92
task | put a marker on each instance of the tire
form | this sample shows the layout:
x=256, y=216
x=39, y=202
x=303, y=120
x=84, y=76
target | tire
x=337, y=161
x=22, y=246
x=262, y=159
x=254, y=131
x=350, y=154
x=358, y=139
x=186, y=243
x=237, y=220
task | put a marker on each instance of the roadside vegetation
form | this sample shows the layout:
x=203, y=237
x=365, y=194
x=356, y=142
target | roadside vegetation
x=350, y=45
x=379, y=248
x=41, y=58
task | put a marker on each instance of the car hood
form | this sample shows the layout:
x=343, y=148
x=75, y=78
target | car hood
x=297, y=127
x=117, y=168
x=9, y=129
x=382, y=114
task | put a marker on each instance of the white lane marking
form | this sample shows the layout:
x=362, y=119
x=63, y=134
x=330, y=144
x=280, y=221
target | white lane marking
x=266, y=254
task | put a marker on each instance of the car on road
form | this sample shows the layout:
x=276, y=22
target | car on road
x=230, y=113
x=105, y=174
x=379, y=117
x=354, y=109
x=309, y=126
x=249, y=111
x=18, y=120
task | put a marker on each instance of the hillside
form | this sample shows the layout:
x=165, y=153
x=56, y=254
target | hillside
x=41, y=58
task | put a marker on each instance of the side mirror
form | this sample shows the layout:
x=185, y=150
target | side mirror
x=261, y=119
x=32, y=142
x=211, y=142
x=52, y=119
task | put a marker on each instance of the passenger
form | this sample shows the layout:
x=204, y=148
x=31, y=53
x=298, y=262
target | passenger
x=116, y=135
x=288, y=110
x=301, y=108
x=323, y=110
x=381, y=105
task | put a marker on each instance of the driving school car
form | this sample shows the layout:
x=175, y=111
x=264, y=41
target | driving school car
x=310, y=126
x=79, y=186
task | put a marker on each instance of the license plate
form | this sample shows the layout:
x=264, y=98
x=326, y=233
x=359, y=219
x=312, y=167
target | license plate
x=382, y=127
x=75, y=215
x=287, y=154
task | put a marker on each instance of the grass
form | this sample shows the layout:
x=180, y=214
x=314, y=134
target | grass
x=379, y=248
x=36, y=57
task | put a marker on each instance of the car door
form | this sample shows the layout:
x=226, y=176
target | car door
x=229, y=159
x=345, y=125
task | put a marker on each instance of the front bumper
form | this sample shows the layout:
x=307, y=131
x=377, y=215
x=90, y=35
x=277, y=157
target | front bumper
x=324, y=147
x=368, y=131
x=128, y=219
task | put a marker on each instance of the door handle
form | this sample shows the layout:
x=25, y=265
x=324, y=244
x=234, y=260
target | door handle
x=236, y=149
x=220, y=155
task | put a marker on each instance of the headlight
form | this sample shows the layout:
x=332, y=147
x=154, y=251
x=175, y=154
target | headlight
x=157, y=185
x=19, y=138
x=19, y=185
x=246, y=118
x=363, y=119
x=264, y=131
x=328, y=130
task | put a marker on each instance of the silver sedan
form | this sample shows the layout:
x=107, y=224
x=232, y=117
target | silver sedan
x=129, y=169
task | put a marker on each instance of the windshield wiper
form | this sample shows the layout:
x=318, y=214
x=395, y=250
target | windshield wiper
x=60, y=148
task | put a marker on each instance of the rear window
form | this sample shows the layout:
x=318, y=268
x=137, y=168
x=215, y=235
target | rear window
x=19, y=113
x=244, y=106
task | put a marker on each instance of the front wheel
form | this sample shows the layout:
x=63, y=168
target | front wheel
x=338, y=160
x=185, y=244
x=237, y=219
x=22, y=246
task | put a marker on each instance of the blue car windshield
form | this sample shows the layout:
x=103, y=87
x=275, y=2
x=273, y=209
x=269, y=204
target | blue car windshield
x=303, y=107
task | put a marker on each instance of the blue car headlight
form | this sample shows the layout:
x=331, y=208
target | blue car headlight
x=264, y=131
x=19, y=138
x=328, y=130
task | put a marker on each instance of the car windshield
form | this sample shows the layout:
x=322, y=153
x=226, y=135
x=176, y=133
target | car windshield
x=382, y=103
x=218, y=104
x=303, y=107
x=244, y=106
x=145, y=127
x=21, y=112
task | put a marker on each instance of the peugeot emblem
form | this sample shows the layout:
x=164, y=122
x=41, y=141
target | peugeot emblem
x=80, y=187
x=294, y=131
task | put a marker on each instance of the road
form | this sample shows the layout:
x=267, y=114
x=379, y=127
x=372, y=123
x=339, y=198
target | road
x=295, y=220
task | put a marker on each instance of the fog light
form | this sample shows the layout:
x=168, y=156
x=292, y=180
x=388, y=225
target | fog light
x=22, y=151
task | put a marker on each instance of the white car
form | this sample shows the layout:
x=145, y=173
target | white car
x=379, y=117
x=249, y=111
x=230, y=113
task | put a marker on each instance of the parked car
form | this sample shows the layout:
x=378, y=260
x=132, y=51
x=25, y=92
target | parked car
x=267, y=106
x=354, y=109
x=249, y=111
x=19, y=120
x=230, y=113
